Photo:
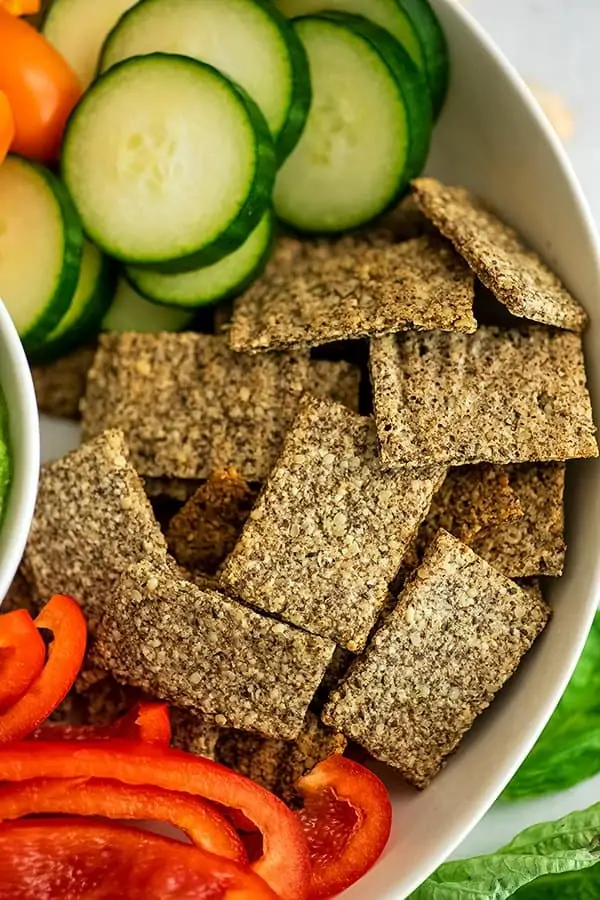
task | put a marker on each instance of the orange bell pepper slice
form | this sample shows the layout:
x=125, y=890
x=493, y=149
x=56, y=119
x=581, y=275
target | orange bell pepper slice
x=41, y=87
x=7, y=126
x=21, y=7
x=347, y=819
x=205, y=827
x=22, y=656
x=63, y=618
x=98, y=861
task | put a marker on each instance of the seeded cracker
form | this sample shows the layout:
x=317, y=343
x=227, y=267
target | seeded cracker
x=330, y=529
x=275, y=764
x=206, y=529
x=355, y=290
x=515, y=274
x=456, y=636
x=19, y=595
x=92, y=521
x=534, y=544
x=335, y=380
x=202, y=651
x=472, y=499
x=193, y=733
x=60, y=385
x=494, y=396
x=188, y=405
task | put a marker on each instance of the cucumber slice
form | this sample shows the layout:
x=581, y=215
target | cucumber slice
x=412, y=22
x=368, y=130
x=210, y=284
x=93, y=296
x=41, y=242
x=168, y=163
x=78, y=29
x=131, y=312
x=247, y=40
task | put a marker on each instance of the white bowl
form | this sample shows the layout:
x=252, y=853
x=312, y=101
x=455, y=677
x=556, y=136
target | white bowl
x=493, y=138
x=23, y=422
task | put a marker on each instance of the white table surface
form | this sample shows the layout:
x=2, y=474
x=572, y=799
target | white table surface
x=554, y=46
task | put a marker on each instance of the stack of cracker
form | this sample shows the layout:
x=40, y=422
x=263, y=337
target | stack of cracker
x=322, y=575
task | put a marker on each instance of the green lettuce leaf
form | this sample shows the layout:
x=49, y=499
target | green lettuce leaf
x=547, y=861
x=568, y=750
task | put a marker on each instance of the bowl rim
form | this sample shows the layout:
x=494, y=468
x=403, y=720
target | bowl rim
x=24, y=436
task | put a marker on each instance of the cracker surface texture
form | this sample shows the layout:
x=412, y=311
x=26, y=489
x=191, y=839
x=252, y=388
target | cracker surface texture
x=494, y=396
x=456, y=636
x=535, y=543
x=330, y=529
x=60, y=385
x=204, y=652
x=352, y=288
x=188, y=405
x=92, y=521
x=515, y=274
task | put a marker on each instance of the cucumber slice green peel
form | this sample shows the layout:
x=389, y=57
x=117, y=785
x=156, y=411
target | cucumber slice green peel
x=368, y=131
x=412, y=22
x=93, y=296
x=210, y=284
x=41, y=243
x=130, y=311
x=249, y=41
x=169, y=163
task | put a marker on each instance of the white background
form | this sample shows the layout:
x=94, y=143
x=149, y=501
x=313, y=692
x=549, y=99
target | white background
x=555, y=45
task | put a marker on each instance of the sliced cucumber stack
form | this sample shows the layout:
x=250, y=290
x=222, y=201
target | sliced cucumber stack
x=78, y=29
x=169, y=164
x=41, y=243
x=247, y=40
x=368, y=130
x=131, y=312
x=412, y=22
x=210, y=284
x=93, y=296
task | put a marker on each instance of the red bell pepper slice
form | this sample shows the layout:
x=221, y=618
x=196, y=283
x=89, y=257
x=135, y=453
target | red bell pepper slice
x=22, y=656
x=204, y=826
x=63, y=617
x=148, y=722
x=285, y=862
x=347, y=818
x=80, y=860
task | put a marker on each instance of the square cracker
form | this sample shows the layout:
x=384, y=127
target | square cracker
x=535, y=543
x=515, y=274
x=472, y=499
x=493, y=396
x=92, y=520
x=355, y=289
x=201, y=651
x=203, y=533
x=60, y=385
x=457, y=635
x=330, y=528
x=188, y=405
x=275, y=764
x=335, y=380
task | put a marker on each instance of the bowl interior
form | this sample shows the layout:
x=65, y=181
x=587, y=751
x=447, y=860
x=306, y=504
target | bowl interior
x=493, y=139
x=15, y=380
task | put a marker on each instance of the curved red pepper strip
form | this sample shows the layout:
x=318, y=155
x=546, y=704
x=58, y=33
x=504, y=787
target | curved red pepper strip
x=205, y=827
x=99, y=861
x=148, y=722
x=63, y=617
x=285, y=862
x=22, y=656
x=347, y=817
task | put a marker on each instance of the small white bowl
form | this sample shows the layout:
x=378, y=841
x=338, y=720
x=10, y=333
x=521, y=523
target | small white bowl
x=493, y=138
x=17, y=386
